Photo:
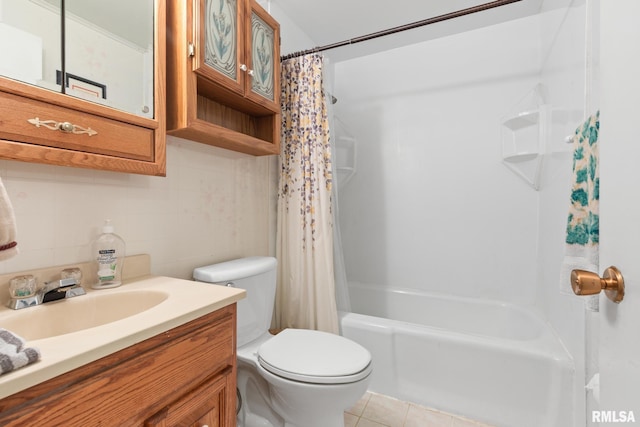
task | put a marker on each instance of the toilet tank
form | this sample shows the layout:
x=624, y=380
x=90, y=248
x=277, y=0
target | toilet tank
x=257, y=276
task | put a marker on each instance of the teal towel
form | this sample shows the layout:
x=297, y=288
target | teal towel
x=583, y=222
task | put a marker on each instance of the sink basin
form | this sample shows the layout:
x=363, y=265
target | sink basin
x=79, y=313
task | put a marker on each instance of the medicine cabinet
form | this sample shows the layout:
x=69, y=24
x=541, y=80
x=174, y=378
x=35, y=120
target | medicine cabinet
x=86, y=83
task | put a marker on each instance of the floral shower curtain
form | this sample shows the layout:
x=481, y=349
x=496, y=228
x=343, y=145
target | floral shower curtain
x=304, y=244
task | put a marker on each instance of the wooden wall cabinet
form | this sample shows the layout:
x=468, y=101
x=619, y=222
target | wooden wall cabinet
x=185, y=376
x=223, y=75
x=44, y=126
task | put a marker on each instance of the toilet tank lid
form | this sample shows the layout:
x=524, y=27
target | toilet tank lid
x=235, y=269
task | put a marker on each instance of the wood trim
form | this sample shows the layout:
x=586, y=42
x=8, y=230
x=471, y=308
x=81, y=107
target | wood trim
x=210, y=134
x=160, y=90
x=12, y=150
x=177, y=74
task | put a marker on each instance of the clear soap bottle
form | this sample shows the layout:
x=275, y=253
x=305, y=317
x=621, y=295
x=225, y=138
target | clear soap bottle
x=109, y=253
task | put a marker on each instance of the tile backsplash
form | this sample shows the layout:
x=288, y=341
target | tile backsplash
x=213, y=205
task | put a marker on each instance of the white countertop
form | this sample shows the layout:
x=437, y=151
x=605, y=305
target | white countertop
x=187, y=301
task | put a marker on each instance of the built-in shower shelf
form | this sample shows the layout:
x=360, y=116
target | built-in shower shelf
x=527, y=167
x=521, y=157
x=347, y=138
x=345, y=174
x=345, y=156
x=522, y=120
x=523, y=134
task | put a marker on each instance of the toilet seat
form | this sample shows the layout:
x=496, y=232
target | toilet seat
x=314, y=357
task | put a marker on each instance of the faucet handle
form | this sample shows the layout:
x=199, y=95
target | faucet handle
x=59, y=289
x=69, y=281
x=58, y=284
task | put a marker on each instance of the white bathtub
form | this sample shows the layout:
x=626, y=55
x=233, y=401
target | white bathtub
x=489, y=361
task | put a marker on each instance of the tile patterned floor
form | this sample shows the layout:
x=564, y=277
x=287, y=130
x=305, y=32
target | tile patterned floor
x=376, y=410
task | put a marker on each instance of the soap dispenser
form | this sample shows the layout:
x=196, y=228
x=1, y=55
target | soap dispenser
x=109, y=252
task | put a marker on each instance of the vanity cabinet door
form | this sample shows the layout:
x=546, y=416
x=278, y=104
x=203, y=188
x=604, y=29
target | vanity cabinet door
x=204, y=406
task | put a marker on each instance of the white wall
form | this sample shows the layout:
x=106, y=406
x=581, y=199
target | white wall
x=619, y=151
x=431, y=206
x=213, y=205
x=293, y=37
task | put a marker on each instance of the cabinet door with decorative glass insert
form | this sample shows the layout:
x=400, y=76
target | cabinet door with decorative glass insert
x=263, y=57
x=219, y=55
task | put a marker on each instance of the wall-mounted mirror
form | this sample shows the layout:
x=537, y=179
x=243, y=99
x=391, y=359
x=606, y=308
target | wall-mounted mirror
x=102, y=53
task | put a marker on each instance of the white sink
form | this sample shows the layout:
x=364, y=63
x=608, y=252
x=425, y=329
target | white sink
x=79, y=313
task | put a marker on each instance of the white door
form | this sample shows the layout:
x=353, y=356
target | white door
x=620, y=207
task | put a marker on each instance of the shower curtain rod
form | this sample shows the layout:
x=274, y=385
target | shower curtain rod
x=428, y=21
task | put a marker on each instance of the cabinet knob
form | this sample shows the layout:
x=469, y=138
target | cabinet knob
x=65, y=126
x=62, y=126
x=250, y=72
x=243, y=67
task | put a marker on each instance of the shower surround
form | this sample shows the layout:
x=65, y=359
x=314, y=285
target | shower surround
x=432, y=209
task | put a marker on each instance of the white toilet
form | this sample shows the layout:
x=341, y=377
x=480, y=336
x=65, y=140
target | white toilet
x=298, y=378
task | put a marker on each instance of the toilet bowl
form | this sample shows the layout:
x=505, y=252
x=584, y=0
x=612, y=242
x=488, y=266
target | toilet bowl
x=297, y=378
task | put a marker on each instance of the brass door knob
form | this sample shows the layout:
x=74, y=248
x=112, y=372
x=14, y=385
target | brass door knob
x=588, y=283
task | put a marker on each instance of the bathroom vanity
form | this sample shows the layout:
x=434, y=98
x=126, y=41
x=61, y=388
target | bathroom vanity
x=171, y=364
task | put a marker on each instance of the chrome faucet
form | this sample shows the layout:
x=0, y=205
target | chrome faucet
x=51, y=291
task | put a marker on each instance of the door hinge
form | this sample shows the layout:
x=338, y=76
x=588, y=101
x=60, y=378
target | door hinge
x=191, y=50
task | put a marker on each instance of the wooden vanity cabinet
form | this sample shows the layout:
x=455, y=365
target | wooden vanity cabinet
x=183, y=377
x=223, y=75
x=45, y=126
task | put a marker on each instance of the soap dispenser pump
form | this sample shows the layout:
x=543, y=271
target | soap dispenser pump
x=109, y=252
